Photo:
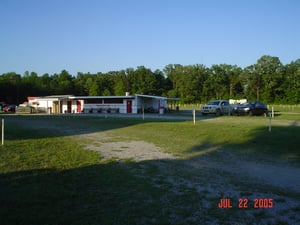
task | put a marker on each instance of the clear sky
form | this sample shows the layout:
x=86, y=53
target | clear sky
x=47, y=36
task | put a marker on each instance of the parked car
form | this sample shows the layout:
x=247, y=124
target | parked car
x=250, y=108
x=9, y=108
x=217, y=107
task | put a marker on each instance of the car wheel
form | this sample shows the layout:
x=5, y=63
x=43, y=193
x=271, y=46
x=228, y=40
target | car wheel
x=251, y=113
x=203, y=114
x=218, y=112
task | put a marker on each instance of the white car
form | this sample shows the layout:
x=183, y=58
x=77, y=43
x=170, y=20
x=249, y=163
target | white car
x=217, y=107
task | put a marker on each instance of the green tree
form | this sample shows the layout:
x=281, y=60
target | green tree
x=271, y=70
x=252, y=83
x=220, y=81
x=79, y=84
x=188, y=82
x=161, y=85
x=105, y=84
x=94, y=89
x=291, y=84
x=142, y=81
x=174, y=72
x=10, y=85
x=65, y=83
x=31, y=84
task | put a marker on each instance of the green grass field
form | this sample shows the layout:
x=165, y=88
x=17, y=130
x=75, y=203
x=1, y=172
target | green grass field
x=277, y=107
x=47, y=176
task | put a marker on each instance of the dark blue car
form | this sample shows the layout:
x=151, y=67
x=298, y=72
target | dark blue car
x=250, y=108
x=9, y=108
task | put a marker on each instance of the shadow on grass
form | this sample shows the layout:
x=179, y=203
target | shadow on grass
x=99, y=194
x=107, y=194
x=122, y=193
x=280, y=144
x=56, y=197
x=42, y=126
x=31, y=127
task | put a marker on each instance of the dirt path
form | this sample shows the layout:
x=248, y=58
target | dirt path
x=279, y=175
x=136, y=151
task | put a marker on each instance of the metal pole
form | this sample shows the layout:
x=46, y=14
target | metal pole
x=270, y=123
x=2, y=139
x=143, y=113
x=194, y=115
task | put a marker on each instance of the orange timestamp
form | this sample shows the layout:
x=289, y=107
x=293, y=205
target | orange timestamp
x=244, y=203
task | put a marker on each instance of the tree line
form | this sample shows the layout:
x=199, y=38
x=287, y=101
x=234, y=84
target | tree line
x=267, y=80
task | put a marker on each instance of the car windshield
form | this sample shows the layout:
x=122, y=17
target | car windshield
x=245, y=104
x=214, y=103
x=251, y=103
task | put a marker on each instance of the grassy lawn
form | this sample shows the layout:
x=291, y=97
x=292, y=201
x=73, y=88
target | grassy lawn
x=286, y=108
x=47, y=177
x=276, y=107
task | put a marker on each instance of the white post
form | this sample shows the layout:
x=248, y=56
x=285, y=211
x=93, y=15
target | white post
x=2, y=138
x=272, y=112
x=270, y=123
x=143, y=113
x=194, y=115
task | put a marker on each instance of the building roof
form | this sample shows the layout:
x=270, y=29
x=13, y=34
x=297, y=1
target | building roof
x=62, y=97
x=157, y=97
x=103, y=97
x=50, y=97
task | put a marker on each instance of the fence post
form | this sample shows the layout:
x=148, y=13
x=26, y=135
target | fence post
x=270, y=123
x=143, y=113
x=2, y=133
x=194, y=115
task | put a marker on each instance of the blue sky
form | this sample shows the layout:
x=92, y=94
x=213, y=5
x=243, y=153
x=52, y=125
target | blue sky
x=47, y=36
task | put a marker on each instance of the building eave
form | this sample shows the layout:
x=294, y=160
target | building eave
x=101, y=97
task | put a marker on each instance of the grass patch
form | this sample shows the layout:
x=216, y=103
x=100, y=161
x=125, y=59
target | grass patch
x=46, y=177
x=30, y=149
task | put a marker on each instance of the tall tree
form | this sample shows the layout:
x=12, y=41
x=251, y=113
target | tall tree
x=10, y=88
x=221, y=81
x=174, y=73
x=252, y=82
x=271, y=70
x=291, y=83
x=105, y=83
x=121, y=83
x=65, y=83
x=142, y=81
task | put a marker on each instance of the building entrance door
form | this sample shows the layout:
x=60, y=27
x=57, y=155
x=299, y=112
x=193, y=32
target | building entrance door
x=78, y=103
x=129, y=106
x=69, y=106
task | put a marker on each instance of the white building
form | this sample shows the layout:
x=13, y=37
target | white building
x=100, y=104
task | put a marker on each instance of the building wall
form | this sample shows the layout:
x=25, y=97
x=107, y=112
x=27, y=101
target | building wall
x=99, y=105
x=111, y=107
x=69, y=109
x=42, y=104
